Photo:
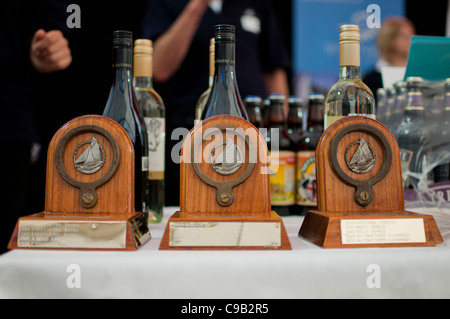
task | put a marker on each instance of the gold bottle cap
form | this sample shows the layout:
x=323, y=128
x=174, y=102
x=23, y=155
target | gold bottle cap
x=349, y=32
x=143, y=54
x=349, y=45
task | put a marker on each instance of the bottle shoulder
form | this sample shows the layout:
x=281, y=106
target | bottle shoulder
x=150, y=102
x=345, y=85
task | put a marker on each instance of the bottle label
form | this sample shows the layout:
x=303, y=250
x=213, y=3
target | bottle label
x=328, y=120
x=156, y=130
x=306, y=178
x=282, y=178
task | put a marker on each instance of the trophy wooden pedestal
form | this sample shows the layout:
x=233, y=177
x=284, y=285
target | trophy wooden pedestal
x=360, y=193
x=89, y=196
x=225, y=192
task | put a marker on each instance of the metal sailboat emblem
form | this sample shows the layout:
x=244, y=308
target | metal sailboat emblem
x=229, y=160
x=363, y=160
x=92, y=159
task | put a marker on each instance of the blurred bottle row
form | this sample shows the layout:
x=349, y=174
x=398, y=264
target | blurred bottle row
x=417, y=113
x=292, y=149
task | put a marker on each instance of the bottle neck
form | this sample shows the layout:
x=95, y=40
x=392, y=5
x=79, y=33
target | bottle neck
x=277, y=117
x=315, y=115
x=143, y=82
x=349, y=60
x=350, y=72
x=122, y=63
x=143, y=65
x=414, y=101
x=224, y=97
x=224, y=62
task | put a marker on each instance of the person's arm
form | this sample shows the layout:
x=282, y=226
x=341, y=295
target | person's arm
x=276, y=82
x=171, y=48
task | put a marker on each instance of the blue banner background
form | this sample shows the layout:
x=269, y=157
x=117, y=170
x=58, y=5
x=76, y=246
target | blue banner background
x=316, y=35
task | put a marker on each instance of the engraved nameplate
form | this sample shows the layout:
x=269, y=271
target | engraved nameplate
x=72, y=234
x=382, y=231
x=236, y=234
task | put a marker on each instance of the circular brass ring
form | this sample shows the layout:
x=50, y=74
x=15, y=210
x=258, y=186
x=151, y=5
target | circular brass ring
x=363, y=193
x=88, y=195
x=224, y=195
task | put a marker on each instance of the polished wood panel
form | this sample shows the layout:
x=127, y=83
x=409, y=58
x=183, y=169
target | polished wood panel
x=116, y=196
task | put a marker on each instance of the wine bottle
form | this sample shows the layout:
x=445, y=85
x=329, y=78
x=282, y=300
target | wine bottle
x=224, y=97
x=200, y=106
x=122, y=107
x=153, y=109
x=349, y=96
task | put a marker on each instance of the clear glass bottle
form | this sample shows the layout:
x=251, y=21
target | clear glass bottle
x=224, y=97
x=123, y=108
x=442, y=171
x=411, y=133
x=200, y=106
x=398, y=107
x=349, y=96
x=381, y=104
x=154, y=111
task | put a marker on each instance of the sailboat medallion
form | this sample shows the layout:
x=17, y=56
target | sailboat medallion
x=226, y=158
x=92, y=159
x=363, y=161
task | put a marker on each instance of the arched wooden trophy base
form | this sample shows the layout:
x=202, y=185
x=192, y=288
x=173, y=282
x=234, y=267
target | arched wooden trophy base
x=224, y=210
x=363, y=206
x=87, y=206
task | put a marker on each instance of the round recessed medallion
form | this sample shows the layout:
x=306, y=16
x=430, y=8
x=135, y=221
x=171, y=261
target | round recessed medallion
x=92, y=159
x=226, y=158
x=363, y=160
x=89, y=161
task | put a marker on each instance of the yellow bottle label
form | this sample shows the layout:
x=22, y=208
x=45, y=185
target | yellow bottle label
x=282, y=178
x=306, y=178
x=331, y=119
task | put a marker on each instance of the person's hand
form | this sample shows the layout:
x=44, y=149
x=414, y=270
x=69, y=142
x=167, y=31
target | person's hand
x=49, y=51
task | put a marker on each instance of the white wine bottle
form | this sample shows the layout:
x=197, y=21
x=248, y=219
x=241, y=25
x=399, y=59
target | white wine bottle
x=122, y=107
x=349, y=96
x=153, y=109
x=205, y=95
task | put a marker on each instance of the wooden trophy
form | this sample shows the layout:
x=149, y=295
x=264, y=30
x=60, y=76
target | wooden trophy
x=89, y=195
x=360, y=192
x=225, y=192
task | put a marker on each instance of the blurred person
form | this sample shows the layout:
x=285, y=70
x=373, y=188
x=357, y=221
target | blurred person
x=181, y=31
x=31, y=41
x=393, y=44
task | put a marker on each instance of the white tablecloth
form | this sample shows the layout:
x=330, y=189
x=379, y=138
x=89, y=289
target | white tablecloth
x=306, y=271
